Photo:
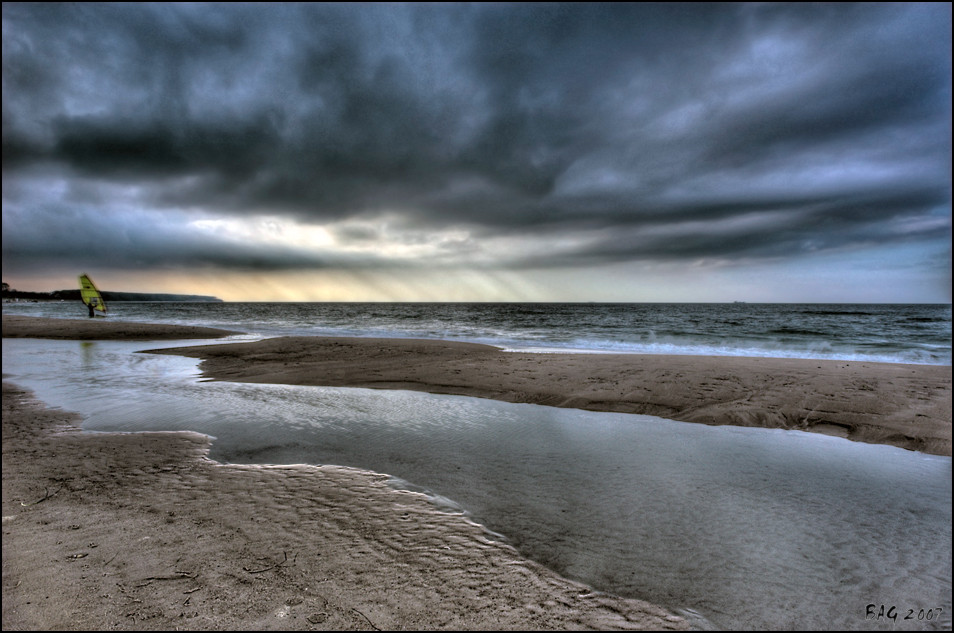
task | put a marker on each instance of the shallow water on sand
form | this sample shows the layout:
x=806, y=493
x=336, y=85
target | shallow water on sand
x=736, y=528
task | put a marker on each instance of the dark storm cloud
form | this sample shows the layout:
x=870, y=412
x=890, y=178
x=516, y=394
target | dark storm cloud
x=785, y=231
x=658, y=130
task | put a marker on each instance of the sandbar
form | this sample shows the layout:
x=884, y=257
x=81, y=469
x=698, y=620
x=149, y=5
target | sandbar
x=908, y=406
x=903, y=405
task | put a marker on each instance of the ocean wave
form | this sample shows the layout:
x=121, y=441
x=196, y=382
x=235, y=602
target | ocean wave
x=914, y=334
x=818, y=352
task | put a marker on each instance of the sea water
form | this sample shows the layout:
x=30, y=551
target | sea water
x=879, y=333
x=734, y=528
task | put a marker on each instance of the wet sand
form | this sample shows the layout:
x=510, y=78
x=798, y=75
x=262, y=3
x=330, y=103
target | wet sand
x=102, y=329
x=143, y=531
x=908, y=406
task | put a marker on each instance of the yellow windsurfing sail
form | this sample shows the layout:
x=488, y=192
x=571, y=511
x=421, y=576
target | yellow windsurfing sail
x=91, y=296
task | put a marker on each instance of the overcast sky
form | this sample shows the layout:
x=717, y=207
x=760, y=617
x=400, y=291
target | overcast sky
x=502, y=152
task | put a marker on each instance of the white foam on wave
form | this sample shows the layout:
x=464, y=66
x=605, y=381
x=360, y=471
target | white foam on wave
x=820, y=351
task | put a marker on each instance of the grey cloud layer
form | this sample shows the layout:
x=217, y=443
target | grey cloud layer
x=644, y=124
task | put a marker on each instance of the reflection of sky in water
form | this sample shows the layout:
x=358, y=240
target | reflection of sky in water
x=751, y=528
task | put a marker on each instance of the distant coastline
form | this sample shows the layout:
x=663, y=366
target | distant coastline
x=74, y=295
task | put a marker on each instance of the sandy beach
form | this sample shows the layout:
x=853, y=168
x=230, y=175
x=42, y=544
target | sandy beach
x=908, y=406
x=102, y=329
x=143, y=531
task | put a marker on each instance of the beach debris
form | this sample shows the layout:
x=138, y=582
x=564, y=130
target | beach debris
x=366, y=618
x=178, y=575
x=258, y=571
x=43, y=498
